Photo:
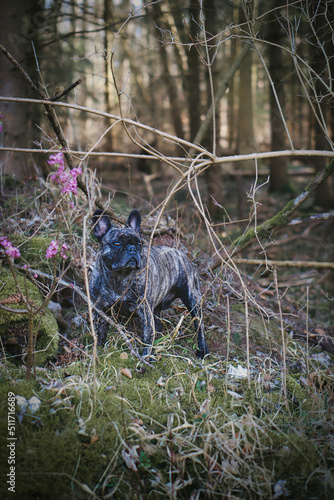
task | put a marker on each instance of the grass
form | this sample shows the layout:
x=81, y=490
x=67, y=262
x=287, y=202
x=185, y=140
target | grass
x=184, y=429
x=179, y=431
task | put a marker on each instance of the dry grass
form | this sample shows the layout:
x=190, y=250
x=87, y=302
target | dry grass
x=184, y=429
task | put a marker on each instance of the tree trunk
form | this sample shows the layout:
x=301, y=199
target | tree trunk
x=19, y=25
x=213, y=174
x=324, y=196
x=193, y=79
x=246, y=137
x=168, y=77
x=107, y=142
x=231, y=101
x=279, y=180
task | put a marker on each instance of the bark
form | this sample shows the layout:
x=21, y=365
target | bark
x=231, y=102
x=107, y=143
x=246, y=138
x=193, y=77
x=224, y=78
x=213, y=175
x=20, y=22
x=168, y=77
x=324, y=195
x=279, y=180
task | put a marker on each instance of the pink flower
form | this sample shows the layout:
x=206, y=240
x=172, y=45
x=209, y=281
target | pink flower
x=68, y=180
x=57, y=159
x=64, y=249
x=35, y=276
x=11, y=251
x=52, y=250
x=4, y=241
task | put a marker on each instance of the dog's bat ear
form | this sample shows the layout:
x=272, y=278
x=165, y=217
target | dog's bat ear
x=134, y=221
x=101, y=224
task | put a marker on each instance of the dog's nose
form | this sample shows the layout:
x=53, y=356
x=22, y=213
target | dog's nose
x=132, y=249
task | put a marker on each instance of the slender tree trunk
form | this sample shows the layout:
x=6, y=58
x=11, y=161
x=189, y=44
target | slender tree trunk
x=246, y=136
x=19, y=26
x=214, y=174
x=193, y=79
x=231, y=101
x=324, y=196
x=168, y=77
x=279, y=180
x=106, y=18
x=188, y=32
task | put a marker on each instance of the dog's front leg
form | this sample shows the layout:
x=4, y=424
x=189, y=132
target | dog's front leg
x=101, y=328
x=147, y=324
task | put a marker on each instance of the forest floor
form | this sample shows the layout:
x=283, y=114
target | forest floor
x=253, y=420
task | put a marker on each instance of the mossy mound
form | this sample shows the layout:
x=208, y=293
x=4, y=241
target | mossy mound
x=33, y=251
x=152, y=431
x=14, y=326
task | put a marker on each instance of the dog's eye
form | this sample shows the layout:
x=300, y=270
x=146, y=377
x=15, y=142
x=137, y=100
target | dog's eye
x=116, y=244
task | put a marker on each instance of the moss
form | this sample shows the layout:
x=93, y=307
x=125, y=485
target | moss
x=296, y=459
x=156, y=413
x=14, y=327
x=33, y=251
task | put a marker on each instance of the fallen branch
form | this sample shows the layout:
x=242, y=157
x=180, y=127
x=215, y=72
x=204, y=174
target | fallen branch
x=312, y=218
x=284, y=263
x=278, y=221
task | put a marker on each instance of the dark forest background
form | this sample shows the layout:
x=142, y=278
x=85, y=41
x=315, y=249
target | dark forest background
x=267, y=66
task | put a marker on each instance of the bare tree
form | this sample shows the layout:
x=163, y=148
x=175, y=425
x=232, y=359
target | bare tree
x=20, y=23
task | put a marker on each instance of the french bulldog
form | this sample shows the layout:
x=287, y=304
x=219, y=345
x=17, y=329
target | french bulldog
x=134, y=279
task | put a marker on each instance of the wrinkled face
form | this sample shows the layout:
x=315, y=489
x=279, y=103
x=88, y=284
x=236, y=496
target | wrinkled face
x=121, y=250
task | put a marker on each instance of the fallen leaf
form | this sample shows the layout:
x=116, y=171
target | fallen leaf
x=137, y=421
x=130, y=457
x=203, y=408
x=126, y=372
x=123, y=355
x=94, y=438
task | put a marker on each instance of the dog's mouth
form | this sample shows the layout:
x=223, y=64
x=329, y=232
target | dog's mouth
x=123, y=266
x=133, y=263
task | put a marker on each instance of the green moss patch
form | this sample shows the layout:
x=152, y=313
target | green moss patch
x=177, y=427
x=14, y=326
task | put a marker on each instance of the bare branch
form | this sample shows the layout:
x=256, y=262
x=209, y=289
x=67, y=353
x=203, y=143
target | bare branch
x=279, y=220
x=66, y=91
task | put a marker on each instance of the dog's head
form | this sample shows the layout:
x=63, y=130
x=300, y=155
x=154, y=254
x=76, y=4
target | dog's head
x=120, y=247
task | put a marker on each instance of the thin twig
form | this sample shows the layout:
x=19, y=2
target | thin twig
x=67, y=90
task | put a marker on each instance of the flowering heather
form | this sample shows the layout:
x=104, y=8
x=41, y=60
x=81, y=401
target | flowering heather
x=64, y=249
x=52, y=249
x=67, y=180
x=57, y=159
x=11, y=251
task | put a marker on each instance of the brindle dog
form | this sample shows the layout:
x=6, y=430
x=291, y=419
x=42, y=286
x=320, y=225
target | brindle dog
x=133, y=279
